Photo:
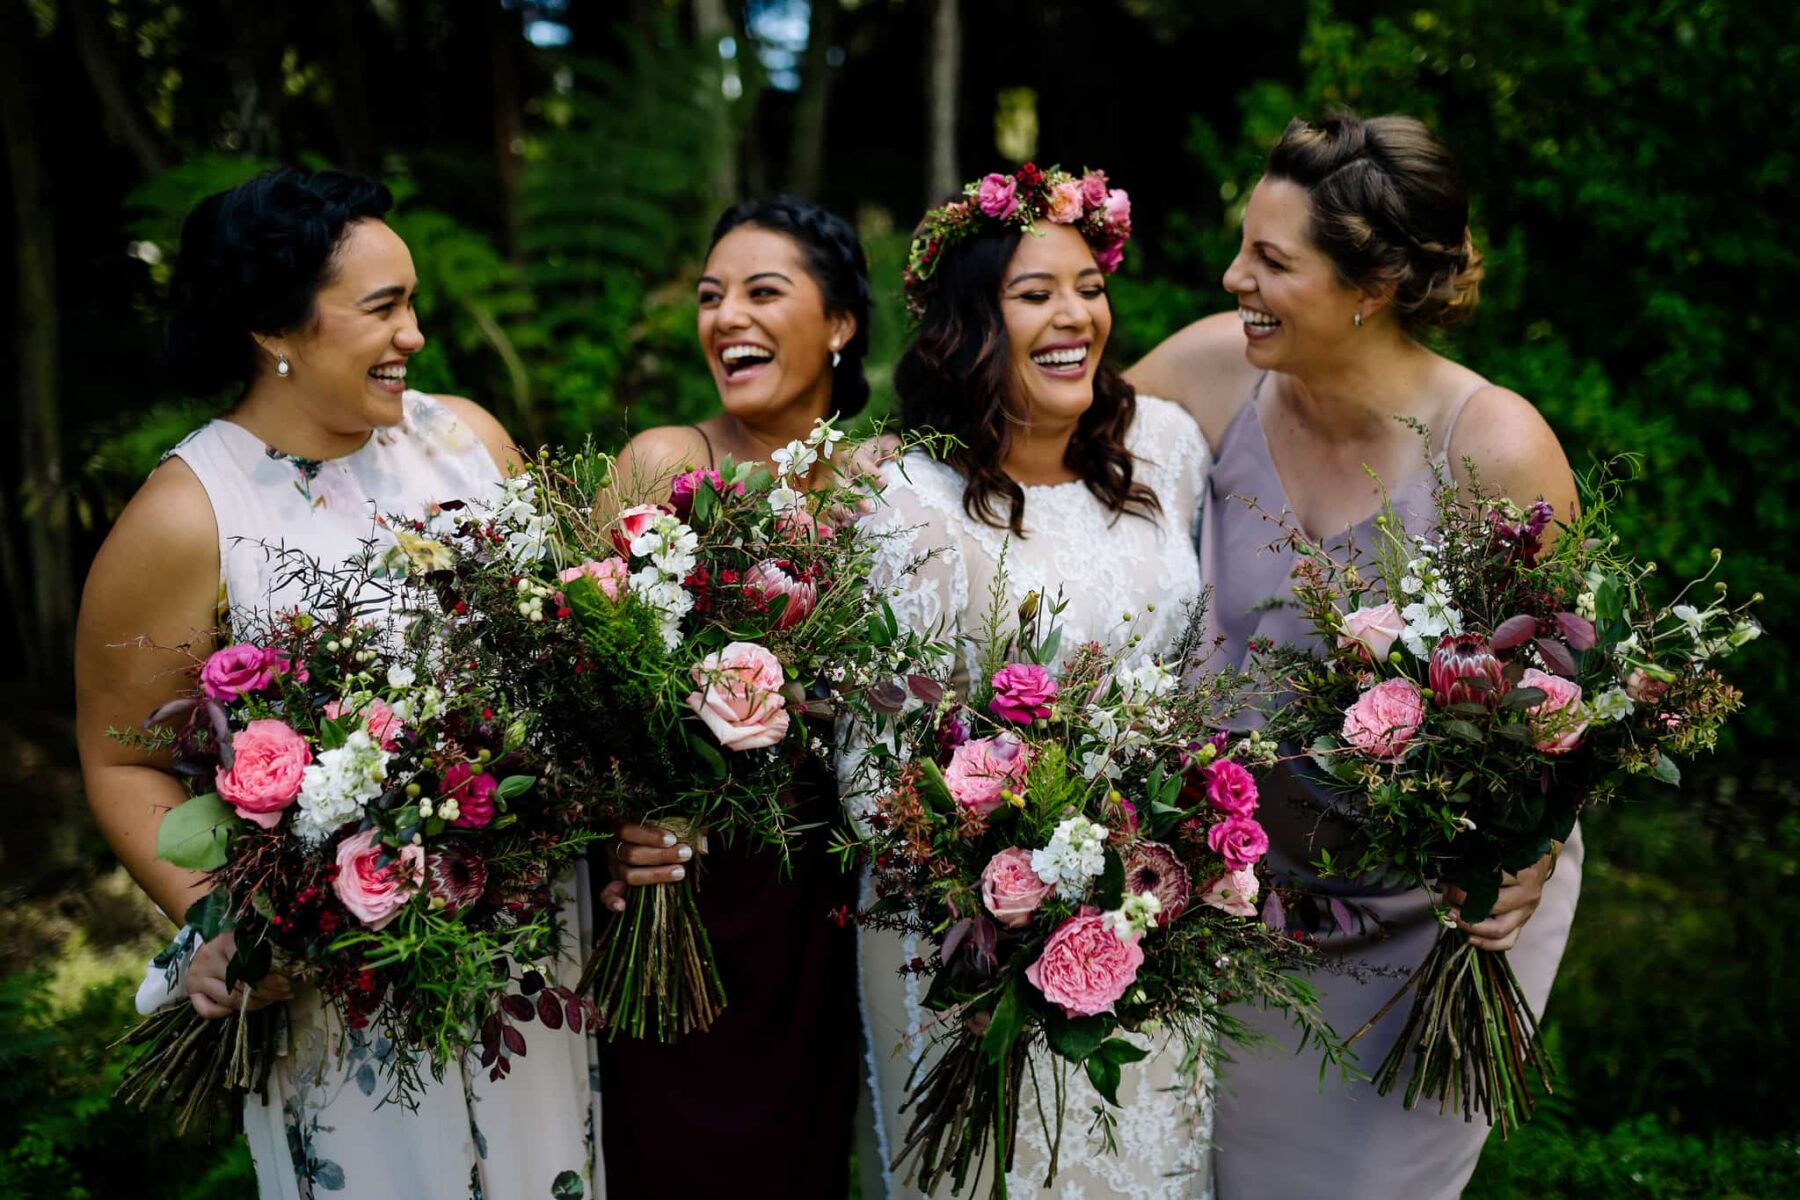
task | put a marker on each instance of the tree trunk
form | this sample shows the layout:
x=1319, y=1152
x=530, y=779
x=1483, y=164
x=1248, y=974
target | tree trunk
x=941, y=177
x=96, y=58
x=47, y=589
x=807, y=171
x=350, y=94
x=711, y=23
x=505, y=40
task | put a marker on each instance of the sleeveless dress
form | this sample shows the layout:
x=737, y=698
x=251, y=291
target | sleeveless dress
x=1123, y=576
x=320, y=1131
x=1279, y=1135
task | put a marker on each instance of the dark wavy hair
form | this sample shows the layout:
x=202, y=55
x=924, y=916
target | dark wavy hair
x=252, y=260
x=956, y=377
x=833, y=256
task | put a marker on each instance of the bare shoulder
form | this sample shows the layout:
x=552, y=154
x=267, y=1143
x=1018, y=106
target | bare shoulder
x=500, y=445
x=1512, y=449
x=656, y=455
x=1202, y=368
x=169, y=521
x=157, y=573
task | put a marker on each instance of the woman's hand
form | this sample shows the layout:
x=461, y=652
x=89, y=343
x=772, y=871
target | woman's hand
x=1519, y=897
x=206, y=981
x=642, y=855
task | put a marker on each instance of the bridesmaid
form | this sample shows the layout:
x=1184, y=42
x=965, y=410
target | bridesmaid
x=1355, y=246
x=761, y=1103
x=293, y=290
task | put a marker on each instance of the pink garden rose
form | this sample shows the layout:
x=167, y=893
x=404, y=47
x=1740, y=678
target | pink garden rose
x=633, y=522
x=775, y=577
x=1239, y=841
x=981, y=768
x=474, y=795
x=268, y=761
x=1559, y=720
x=1023, y=693
x=740, y=697
x=1231, y=788
x=996, y=197
x=1065, y=203
x=1234, y=892
x=1384, y=719
x=1118, y=210
x=1372, y=629
x=1109, y=256
x=1010, y=889
x=1085, y=966
x=233, y=671
x=1093, y=188
x=378, y=718
x=609, y=575
x=371, y=892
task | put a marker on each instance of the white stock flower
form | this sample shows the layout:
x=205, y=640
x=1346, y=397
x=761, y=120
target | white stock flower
x=1427, y=619
x=337, y=785
x=1146, y=683
x=1135, y=915
x=1076, y=854
x=399, y=677
x=1611, y=705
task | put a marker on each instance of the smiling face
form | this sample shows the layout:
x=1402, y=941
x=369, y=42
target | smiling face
x=763, y=325
x=1297, y=312
x=1053, y=301
x=350, y=364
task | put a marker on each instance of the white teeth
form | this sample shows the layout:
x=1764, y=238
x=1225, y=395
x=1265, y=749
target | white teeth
x=733, y=354
x=391, y=374
x=1061, y=358
x=1250, y=316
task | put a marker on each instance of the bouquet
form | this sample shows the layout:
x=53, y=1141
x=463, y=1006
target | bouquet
x=378, y=821
x=690, y=655
x=1082, y=850
x=1478, y=686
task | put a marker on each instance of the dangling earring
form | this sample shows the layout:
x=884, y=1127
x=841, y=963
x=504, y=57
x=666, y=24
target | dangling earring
x=835, y=356
x=1358, y=318
x=281, y=365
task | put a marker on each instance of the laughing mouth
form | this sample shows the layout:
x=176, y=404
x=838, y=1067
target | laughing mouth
x=1061, y=358
x=390, y=374
x=1258, y=320
x=739, y=358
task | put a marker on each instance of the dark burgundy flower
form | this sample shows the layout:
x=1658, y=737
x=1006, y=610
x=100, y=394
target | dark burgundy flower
x=456, y=875
x=1153, y=868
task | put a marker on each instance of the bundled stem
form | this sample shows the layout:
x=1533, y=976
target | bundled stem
x=963, y=1097
x=200, y=1064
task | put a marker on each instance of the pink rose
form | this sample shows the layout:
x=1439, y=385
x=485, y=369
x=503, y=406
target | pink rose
x=1239, y=841
x=1154, y=869
x=775, y=577
x=633, y=522
x=1065, y=206
x=683, y=487
x=1093, y=188
x=798, y=525
x=1642, y=688
x=1085, y=966
x=1231, y=788
x=1023, y=693
x=996, y=196
x=235, y=670
x=268, y=761
x=740, y=697
x=981, y=768
x=1234, y=892
x=372, y=892
x=474, y=795
x=1372, y=629
x=1118, y=210
x=1010, y=889
x=378, y=718
x=609, y=575
x=1384, y=719
x=1559, y=719
x=1109, y=256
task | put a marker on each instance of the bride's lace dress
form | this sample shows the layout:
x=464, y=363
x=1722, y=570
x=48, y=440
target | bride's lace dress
x=1128, y=582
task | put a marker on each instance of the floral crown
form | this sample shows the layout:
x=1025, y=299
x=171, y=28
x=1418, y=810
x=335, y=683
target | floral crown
x=1099, y=213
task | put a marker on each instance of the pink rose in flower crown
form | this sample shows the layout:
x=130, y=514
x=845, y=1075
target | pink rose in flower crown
x=1559, y=719
x=1010, y=889
x=374, y=893
x=740, y=698
x=1023, y=693
x=1093, y=188
x=1373, y=630
x=1239, y=841
x=233, y=671
x=1065, y=206
x=1085, y=966
x=1384, y=719
x=1109, y=256
x=474, y=795
x=1234, y=892
x=981, y=768
x=633, y=522
x=775, y=577
x=268, y=762
x=996, y=196
x=1118, y=210
x=378, y=718
x=1231, y=788
x=609, y=575
x=683, y=487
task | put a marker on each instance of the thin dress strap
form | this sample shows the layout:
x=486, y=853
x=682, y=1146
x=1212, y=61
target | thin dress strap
x=1456, y=414
x=709, y=450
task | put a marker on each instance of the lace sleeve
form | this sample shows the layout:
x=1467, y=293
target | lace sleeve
x=1170, y=441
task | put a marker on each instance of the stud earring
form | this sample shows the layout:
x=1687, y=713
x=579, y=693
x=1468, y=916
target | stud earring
x=281, y=365
x=1358, y=318
x=835, y=356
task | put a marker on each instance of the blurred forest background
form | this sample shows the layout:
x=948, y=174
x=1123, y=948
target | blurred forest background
x=559, y=164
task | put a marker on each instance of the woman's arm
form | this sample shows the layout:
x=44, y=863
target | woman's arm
x=1202, y=368
x=493, y=435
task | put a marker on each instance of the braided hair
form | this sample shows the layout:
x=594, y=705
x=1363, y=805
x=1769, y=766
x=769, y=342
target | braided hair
x=1389, y=207
x=833, y=256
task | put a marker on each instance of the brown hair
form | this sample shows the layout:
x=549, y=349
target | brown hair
x=1389, y=207
x=956, y=377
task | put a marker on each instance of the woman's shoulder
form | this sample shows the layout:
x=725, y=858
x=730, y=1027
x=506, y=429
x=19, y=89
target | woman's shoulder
x=453, y=418
x=1166, y=434
x=917, y=483
x=654, y=456
x=168, y=526
x=1201, y=368
x=1511, y=447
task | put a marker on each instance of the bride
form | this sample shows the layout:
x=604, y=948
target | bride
x=1084, y=489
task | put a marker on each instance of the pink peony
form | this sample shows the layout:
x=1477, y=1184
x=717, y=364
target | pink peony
x=268, y=761
x=1065, y=206
x=1153, y=868
x=1239, y=841
x=232, y=672
x=1109, y=256
x=980, y=769
x=740, y=697
x=378, y=718
x=1023, y=693
x=775, y=577
x=474, y=795
x=609, y=575
x=683, y=487
x=1384, y=719
x=1093, y=188
x=1234, y=892
x=634, y=521
x=1085, y=966
x=996, y=196
x=1118, y=210
x=1010, y=889
x=1231, y=788
x=1372, y=629
x=372, y=892
x=1559, y=720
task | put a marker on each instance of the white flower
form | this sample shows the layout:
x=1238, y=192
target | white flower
x=1745, y=632
x=1611, y=705
x=399, y=677
x=337, y=785
x=795, y=458
x=1585, y=606
x=1075, y=855
x=1692, y=618
x=1144, y=684
x=783, y=499
x=1135, y=915
x=824, y=437
x=1427, y=619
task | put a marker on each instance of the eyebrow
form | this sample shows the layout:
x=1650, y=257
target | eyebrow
x=390, y=292
x=747, y=279
x=1018, y=279
x=1272, y=246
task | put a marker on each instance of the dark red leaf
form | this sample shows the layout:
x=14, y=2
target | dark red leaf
x=490, y=1035
x=1556, y=657
x=573, y=1007
x=1273, y=914
x=927, y=690
x=549, y=1011
x=517, y=1007
x=1577, y=630
x=515, y=1041
x=954, y=939
x=1514, y=631
x=489, y=1054
x=562, y=993
x=1340, y=916
x=532, y=983
x=171, y=710
x=887, y=697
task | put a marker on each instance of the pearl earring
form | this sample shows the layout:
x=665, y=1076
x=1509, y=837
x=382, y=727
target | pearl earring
x=1358, y=318
x=281, y=365
x=835, y=356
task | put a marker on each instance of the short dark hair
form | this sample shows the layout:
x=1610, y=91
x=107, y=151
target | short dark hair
x=833, y=257
x=252, y=259
x=1389, y=206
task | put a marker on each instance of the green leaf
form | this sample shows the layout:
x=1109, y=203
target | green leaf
x=1110, y=891
x=1119, y=1050
x=1075, y=1037
x=1465, y=730
x=333, y=733
x=193, y=834
x=514, y=785
x=210, y=915
x=1104, y=1073
x=1009, y=1019
x=704, y=751
x=1482, y=893
x=1666, y=770
x=1523, y=697
x=936, y=790
x=705, y=499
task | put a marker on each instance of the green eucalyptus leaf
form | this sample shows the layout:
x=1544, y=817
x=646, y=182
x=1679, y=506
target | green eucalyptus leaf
x=1008, y=1020
x=193, y=834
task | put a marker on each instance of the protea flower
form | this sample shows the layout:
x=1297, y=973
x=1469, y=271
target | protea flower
x=1458, y=662
x=456, y=875
x=776, y=577
x=1153, y=868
